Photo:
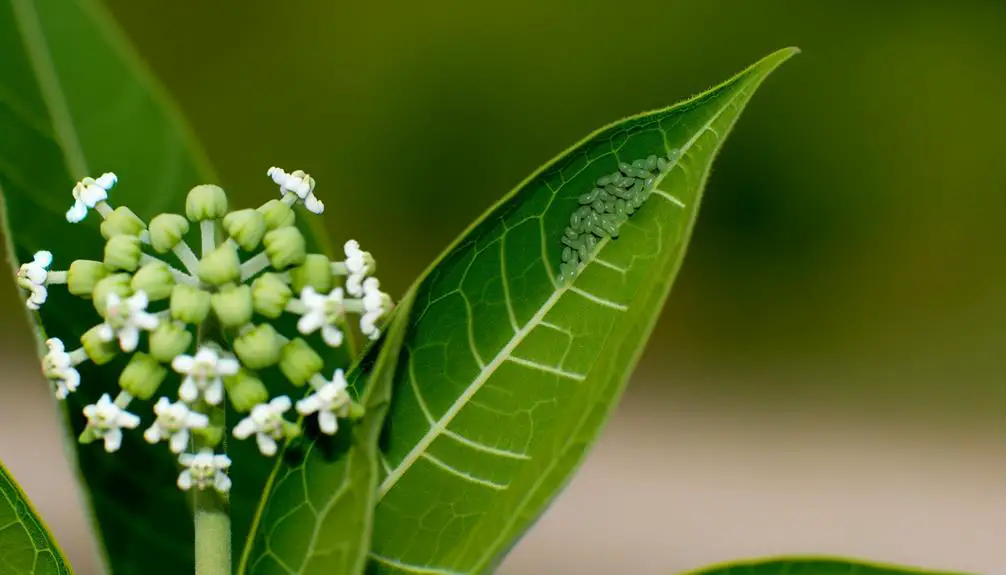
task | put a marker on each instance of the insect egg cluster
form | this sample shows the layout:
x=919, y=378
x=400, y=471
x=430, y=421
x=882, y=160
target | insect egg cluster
x=605, y=208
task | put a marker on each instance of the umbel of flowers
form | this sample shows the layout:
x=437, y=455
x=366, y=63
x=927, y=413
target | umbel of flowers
x=210, y=318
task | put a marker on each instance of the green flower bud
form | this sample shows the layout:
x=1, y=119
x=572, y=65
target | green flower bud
x=285, y=247
x=169, y=340
x=356, y=411
x=299, y=362
x=166, y=230
x=221, y=266
x=259, y=347
x=100, y=351
x=123, y=253
x=233, y=305
x=209, y=436
x=206, y=202
x=316, y=272
x=142, y=376
x=270, y=295
x=291, y=430
x=83, y=275
x=155, y=279
x=122, y=221
x=245, y=391
x=117, y=284
x=277, y=214
x=246, y=227
x=189, y=304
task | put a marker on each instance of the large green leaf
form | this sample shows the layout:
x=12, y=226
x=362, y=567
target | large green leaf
x=75, y=101
x=26, y=546
x=509, y=373
x=306, y=525
x=811, y=566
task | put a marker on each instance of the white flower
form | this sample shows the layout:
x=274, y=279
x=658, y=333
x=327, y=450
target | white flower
x=88, y=193
x=360, y=264
x=58, y=367
x=174, y=420
x=375, y=305
x=266, y=422
x=330, y=401
x=300, y=184
x=125, y=318
x=106, y=420
x=204, y=469
x=204, y=373
x=323, y=312
x=32, y=276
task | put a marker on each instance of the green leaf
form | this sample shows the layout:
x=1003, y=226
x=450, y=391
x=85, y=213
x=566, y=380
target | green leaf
x=319, y=516
x=512, y=373
x=26, y=546
x=811, y=566
x=75, y=101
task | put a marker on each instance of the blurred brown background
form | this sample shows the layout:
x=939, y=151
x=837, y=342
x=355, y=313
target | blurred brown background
x=828, y=376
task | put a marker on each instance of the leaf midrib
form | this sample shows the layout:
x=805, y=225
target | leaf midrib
x=435, y=430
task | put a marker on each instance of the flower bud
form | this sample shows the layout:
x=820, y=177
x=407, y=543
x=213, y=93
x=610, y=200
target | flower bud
x=169, y=340
x=155, y=279
x=220, y=266
x=166, y=230
x=299, y=362
x=270, y=295
x=142, y=376
x=117, y=284
x=206, y=202
x=233, y=305
x=259, y=347
x=123, y=253
x=285, y=247
x=277, y=214
x=122, y=221
x=83, y=275
x=245, y=391
x=316, y=271
x=246, y=227
x=356, y=411
x=189, y=304
x=98, y=350
x=209, y=436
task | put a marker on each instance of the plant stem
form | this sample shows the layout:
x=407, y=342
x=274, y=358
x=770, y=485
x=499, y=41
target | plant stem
x=213, y=534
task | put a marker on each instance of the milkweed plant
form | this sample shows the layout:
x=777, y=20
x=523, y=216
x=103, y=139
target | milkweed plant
x=244, y=397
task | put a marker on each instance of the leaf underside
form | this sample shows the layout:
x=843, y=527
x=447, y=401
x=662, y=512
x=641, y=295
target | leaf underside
x=811, y=566
x=74, y=102
x=508, y=374
x=26, y=546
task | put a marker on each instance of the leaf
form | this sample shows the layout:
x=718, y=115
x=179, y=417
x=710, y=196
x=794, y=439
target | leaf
x=26, y=546
x=511, y=373
x=75, y=101
x=306, y=530
x=811, y=566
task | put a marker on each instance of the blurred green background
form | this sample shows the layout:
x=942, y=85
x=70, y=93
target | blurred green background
x=847, y=265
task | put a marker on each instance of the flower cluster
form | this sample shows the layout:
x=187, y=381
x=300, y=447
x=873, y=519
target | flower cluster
x=209, y=320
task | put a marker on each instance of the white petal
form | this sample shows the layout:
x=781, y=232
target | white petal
x=162, y=405
x=43, y=258
x=311, y=298
x=153, y=434
x=245, y=428
x=76, y=213
x=280, y=404
x=266, y=444
x=144, y=320
x=61, y=390
x=328, y=422
x=129, y=338
x=185, y=479
x=179, y=440
x=92, y=194
x=221, y=461
x=228, y=366
x=313, y=204
x=354, y=284
x=113, y=440
x=188, y=391
x=215, y=392
x=106, y=181
x=332, y=336
x=310, y=322
x=71, y=378
x=309, y=404
x=183, y=363
x=105, y=332
x=196, y=420
x=222, y=483
x=127, y=420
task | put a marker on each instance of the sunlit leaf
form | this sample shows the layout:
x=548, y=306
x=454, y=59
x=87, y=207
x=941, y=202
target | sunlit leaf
x=26, y=546
x=811, y=566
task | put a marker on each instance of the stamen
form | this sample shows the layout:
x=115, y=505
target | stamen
x=254, y=265
x=187, y=257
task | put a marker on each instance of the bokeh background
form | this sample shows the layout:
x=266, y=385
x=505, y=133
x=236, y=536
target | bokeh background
x=828, y=376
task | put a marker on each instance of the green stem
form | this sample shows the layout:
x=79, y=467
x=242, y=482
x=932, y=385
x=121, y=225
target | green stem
x=213, y=534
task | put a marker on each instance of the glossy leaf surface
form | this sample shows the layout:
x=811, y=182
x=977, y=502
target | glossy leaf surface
x=26, y=546
x=812, y=566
